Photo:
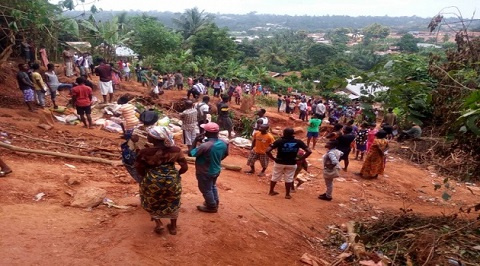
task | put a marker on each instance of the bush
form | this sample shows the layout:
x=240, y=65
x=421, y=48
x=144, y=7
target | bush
x=266, y=101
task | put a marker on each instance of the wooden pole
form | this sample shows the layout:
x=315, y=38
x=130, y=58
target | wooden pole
x=60, y=154
x=226, y=166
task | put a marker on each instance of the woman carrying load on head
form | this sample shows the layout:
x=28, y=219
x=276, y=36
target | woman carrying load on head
x=160, y=187
x=136, y=139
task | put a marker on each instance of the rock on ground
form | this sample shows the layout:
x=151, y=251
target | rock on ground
x=88, y=197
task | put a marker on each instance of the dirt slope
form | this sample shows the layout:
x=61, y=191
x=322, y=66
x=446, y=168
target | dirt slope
x=251, y=228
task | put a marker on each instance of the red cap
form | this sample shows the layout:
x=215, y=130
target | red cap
x=210, y=127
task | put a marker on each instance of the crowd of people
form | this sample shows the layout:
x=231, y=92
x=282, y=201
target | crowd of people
x=150, y=154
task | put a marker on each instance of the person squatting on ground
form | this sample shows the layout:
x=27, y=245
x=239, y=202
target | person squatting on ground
x=286, y=161
x=331, y=168
x=209, y=156
x=261, y=140
x=82, y=100
x=160, y=187
x=189, y=124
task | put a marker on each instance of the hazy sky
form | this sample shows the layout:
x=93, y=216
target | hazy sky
x=422, y=8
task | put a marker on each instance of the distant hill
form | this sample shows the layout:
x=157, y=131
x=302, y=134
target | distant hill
x=307, y=23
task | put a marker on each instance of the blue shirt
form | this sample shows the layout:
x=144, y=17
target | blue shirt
x=209, y=156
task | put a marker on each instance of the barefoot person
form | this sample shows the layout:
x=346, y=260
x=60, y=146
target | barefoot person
x=286, y=161
x=5, y=170
x=260, y=143
x=209, y=156
x=161, y=188
x=82, y=100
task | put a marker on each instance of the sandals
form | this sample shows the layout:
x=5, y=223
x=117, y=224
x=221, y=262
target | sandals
x=171, y=230
x=159, y=230
x=5, y=173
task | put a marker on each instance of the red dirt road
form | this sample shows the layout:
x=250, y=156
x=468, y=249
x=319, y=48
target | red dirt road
x=251, y=228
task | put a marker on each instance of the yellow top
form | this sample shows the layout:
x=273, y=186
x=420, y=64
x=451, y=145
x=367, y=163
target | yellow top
x=38, y=81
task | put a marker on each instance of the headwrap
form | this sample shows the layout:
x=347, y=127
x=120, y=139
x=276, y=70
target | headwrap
x=162, y=133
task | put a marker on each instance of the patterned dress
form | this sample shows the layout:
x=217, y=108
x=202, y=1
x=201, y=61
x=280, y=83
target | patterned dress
x=375, y=161
x=160, y=188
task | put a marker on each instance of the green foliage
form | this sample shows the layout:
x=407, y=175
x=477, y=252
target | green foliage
x=266, y=101
x=338, y=37
x=408, y=43
x=320, y=53
x=470, y=117
x=376, y=31
x=364, y=59
x=192, y=21
x=246, y=126
x=410, y=87
x=150, y=37
x=213, y=42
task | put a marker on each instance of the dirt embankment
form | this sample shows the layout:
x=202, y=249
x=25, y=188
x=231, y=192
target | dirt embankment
x=250, y=227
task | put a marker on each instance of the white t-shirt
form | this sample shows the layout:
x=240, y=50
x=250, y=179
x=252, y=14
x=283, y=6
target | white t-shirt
x=321, y=109
x=302, y=106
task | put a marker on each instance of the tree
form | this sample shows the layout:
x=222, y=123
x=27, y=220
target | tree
x=191, y=21
x=273, y=55
x=35, y=20
x=108, y=34
x=150, y=37
x=320, y=53
x=213, y=42
x=410, y=87
x=376, y=31
x=408, y=43
x=338, y=36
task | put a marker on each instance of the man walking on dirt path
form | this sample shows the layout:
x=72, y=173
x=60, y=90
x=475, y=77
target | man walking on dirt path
x=286, y=161
x=82, y=99
x=104, y=71
x=26, y=86
x=260, y=143
x=209, y=156
x=189, y=124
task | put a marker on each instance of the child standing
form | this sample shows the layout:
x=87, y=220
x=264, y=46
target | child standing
x=331, y=168
x=313, y=129
x=361, y=141
x=301, y=165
